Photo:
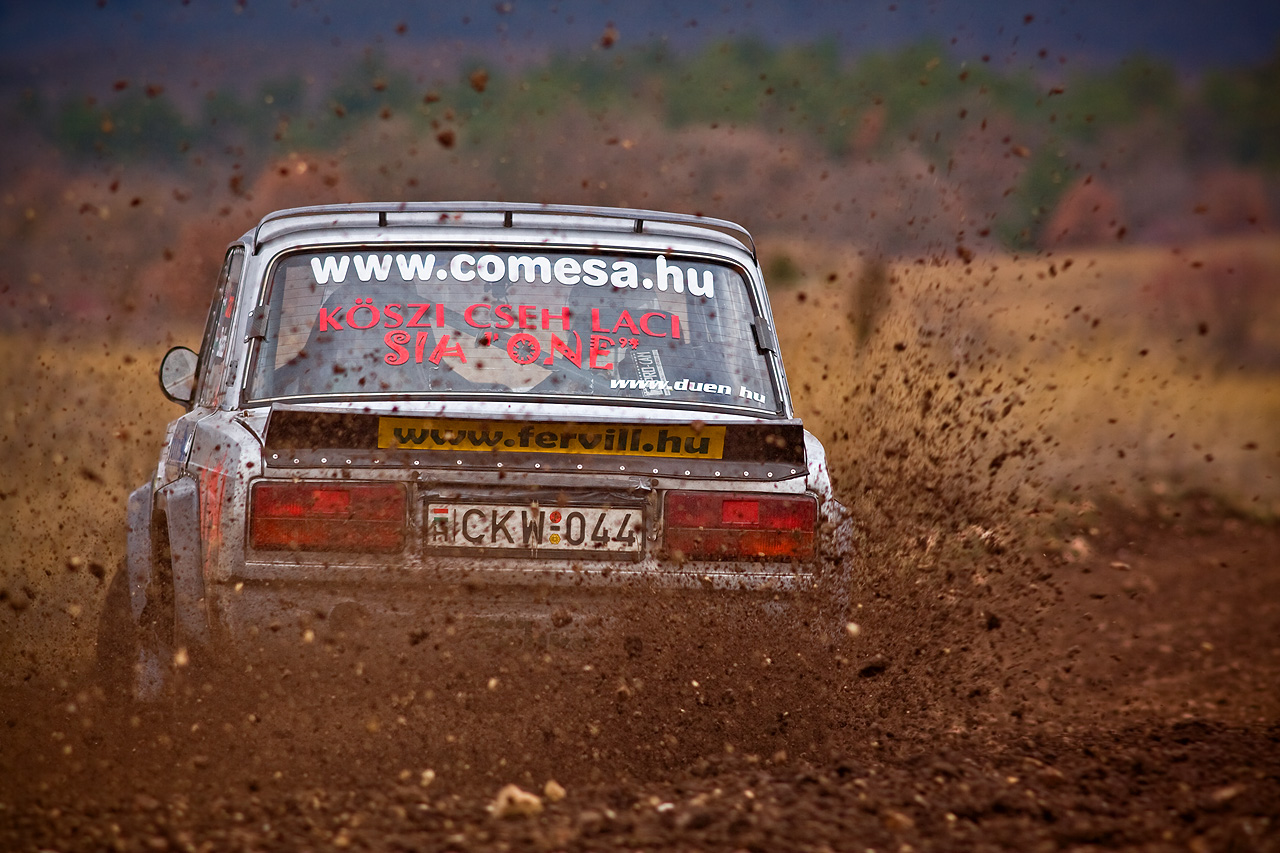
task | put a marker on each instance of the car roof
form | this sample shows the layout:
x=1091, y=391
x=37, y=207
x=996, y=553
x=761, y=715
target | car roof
x=609, y=223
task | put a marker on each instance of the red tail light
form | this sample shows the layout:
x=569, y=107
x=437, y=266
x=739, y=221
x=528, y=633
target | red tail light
x=728, y=526
x=348, y=517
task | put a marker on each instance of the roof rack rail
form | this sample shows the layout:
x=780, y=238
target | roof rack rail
x=637, y=217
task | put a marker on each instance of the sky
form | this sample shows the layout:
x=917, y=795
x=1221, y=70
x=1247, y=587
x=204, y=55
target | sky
x=75, y=44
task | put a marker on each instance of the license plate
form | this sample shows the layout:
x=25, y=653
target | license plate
x=533, y=530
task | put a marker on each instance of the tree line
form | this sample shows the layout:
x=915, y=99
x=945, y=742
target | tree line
x=860, y=107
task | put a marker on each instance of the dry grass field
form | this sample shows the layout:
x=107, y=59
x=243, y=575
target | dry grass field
x=1082, y=376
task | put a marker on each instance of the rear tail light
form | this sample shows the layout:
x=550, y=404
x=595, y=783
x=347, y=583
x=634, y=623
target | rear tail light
x=729, y=526
x=348, y=517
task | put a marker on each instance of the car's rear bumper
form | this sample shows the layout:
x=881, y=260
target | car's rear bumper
x=290, y=600
x=259, y=613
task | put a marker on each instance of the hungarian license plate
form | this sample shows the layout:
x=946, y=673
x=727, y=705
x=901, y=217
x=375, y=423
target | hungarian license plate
x=534, y=530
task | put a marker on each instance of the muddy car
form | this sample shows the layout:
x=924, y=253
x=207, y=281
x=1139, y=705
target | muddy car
x=502, y=414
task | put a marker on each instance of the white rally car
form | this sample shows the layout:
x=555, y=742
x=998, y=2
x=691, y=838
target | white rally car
x=507, y=412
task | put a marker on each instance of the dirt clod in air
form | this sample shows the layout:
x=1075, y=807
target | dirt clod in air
x=513, y=802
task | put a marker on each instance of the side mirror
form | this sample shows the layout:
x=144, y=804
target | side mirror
x=178, y=375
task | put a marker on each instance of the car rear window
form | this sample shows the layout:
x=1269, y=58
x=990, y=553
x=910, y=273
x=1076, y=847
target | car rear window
x=431, y=323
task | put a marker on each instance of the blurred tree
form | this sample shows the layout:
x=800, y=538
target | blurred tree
x=225, y=122
x=905, y=82
x=1046, y=178
x=146, y=126
x=808, y=92
x=370, y=87
x=78, y=127
x=726, y=81
x=1246, y=107
x=135, y=125
x=220, y=110
x=1138, y=87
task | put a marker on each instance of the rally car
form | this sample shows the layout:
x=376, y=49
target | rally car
x=517, y=413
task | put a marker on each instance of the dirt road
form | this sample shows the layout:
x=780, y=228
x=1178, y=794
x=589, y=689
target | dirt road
x=1118, y=694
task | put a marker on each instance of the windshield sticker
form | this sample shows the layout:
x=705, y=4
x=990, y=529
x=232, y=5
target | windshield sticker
x=672, y=441
x=488, y=320
x=620, y=274
x=679, y=385
x=651, y=380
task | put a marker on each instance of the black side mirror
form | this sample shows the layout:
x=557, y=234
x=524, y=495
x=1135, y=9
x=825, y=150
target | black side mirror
x=178, y=375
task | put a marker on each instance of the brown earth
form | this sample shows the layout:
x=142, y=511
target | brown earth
x=1119, y=696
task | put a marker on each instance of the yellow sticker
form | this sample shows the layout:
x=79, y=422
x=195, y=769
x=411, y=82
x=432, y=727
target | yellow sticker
x=675, y=441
